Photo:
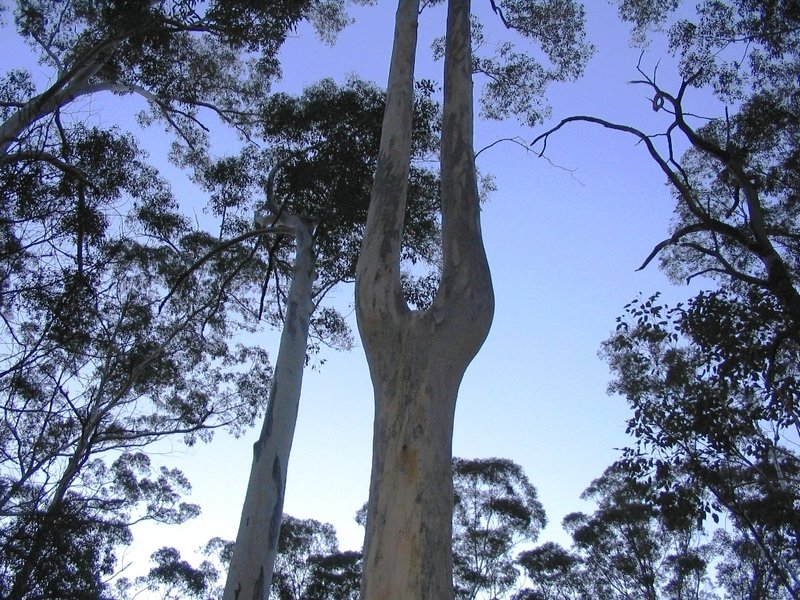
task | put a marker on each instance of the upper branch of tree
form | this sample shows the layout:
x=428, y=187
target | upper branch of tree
x=221, y=247
x=760, y=245
x=49, y=158
x=499, y=12
x=711, y=225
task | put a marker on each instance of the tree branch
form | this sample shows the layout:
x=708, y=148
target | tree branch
x=221, y=247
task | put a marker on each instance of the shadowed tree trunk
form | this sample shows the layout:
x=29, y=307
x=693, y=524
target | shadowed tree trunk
x=418, y=358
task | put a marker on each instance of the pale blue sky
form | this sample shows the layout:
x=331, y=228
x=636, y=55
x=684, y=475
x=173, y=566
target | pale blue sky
x=563, y=247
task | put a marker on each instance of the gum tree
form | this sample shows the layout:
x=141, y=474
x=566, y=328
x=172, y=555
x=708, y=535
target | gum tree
x=325, y=145
x=731, y=351
x=182, y=57
x=496, y=509
x=417, y=358
x=95, y=365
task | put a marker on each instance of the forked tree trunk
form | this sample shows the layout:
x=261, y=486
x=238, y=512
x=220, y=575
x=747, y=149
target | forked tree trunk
x=250, y=571
x=418, y=358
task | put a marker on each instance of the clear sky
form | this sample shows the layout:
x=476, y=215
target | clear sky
x=564, y=238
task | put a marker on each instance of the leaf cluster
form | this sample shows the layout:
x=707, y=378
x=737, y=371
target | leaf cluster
x=333, y=134
x=94, y=366
x=517, y=79
x=737, y=47
x=322, y=149
x=627, y=548
x=712, y=386
x=496, y=509
x=310, y=565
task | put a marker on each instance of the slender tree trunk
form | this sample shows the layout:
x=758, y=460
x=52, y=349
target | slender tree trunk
x=250, y=572
x=417, y=359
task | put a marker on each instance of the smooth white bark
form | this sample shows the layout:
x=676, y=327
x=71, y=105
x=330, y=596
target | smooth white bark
x=250, y=572
x=417, y=359
x=69, y=86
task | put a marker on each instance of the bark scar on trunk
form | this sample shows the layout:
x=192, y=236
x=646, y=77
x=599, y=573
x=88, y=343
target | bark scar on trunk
x=275, y=521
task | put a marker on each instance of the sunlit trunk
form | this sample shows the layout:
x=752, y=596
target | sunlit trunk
x=250, y=572
x=417, y=359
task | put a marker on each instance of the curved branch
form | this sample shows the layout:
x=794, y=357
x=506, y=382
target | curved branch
x=514, y=140
x=70, y=85
x=712, y=225
x=498, y=11
x=61, y=165
x=647, y=140
x=707, y=222
x=280, y=230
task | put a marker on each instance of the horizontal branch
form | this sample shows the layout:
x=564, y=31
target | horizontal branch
x=61, y=165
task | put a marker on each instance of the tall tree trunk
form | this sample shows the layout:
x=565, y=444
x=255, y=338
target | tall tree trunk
x=250, y=572
x=418, y=358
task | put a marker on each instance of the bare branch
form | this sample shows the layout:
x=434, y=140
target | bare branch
x=500, y=14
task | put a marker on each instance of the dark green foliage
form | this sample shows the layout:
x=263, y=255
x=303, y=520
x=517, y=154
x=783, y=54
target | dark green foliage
x=336, y=576
x=554, y=573
x=185, y=58
x=627, y=548
x=115, y=333
x=332, y=134
x=323, y=148
x=309, y=565
x=712, y=387
x=75, y=554
x=496, y=509
x=745, y=572
x=713, y=383
x=96, y=364
x=172, y=577
x=173, y=572
x=558, y=27
x=702, y=36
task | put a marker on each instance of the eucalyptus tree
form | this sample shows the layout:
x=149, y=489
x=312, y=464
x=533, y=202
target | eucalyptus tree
x=310, y=565
x=417, y=358
x=552, y=573
x=300, y=540
x=323, y=145
x=182, y=57
x=93, y=369
x=172, y=578
x=496, y=509
x=709, y=430
x=626, y=548
x=743, y=570
x=629, y=548
x=96, y=365
x=731, y=351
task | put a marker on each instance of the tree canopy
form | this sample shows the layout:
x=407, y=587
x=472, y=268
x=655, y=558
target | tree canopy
x=712, y=381
x=496, y=510
x=119, y=313
x=115, y=332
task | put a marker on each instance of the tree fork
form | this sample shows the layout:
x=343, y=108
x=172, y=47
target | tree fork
x=418, y=358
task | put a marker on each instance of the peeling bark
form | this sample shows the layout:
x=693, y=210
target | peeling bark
x=418, y=358
x=250, y=572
